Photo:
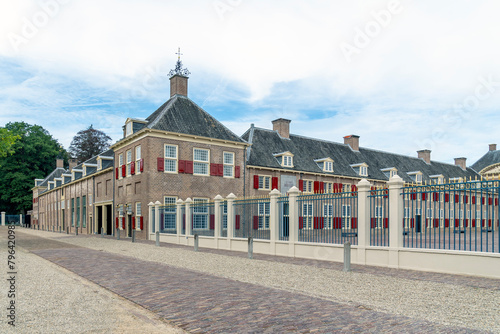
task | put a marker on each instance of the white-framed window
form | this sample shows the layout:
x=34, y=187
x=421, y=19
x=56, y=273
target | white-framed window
x=201, y=158
x=328, y=215
x=393, y=172
x=346, y=216
x=308, y=186
x=138, y=159
x=379, y=212
x=441, y=213
x=461, y=214
x=224, y=215
x=478, y=214
x=99, y=164
x=200, y=213
x=228, y=164
x=363, y=171
x=407, y=212
x=452, y=214
x=129, y=162
x=418, y=178
x=328, y=187
x=120, y=164
x=328, y=166
x=287, y=161
x=128, y=129
x=307, y=215
x=468, y=214
x=264, y=212
x=138, y=209
x=264, y=182
x=429, y=213
x=120, y=210
x=170, y=158
x=169, y=212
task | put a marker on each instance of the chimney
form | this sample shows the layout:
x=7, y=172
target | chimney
x=59, y=163
x=72, y=164
x=461, y=162
x=282, y=126
x=425, y=155
x=493, y=147
x=352, y=141
x=178, y=85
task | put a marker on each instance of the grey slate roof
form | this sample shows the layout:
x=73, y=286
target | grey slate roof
x=490, y=158
x=56, y=173
x=181, y=115
x=265, y=143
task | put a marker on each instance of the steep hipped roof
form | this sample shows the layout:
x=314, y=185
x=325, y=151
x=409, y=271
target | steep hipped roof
x=181, y=115
x=490, y=158
x=265, y=143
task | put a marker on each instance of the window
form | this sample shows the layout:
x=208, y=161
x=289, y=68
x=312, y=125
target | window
x=346, y=216
x=128, y=129
x=78, y=212
x=307, y=215
x=363, y=171
x=308, y=186
x=452, y=213
x=129, y=162
x=200, y=213
x=84, y=211
x=138, y=209
x=171, y=158
x=393, y=172
x=120, y=210
x=264, y=182
x=328, y=187
x=201, y=159
x=90, y=200
x=287, y=161
x=224, y=215
x=99, y=164
x=120, y=164
x=264, y=211
x=328, y=166
x=328, y=214
x=441, y=213
x=228, y=164
x=418, y=178
x=379, y=212
x=169, y=213
x=429, y=213
x=137, y=159
x=407, y=212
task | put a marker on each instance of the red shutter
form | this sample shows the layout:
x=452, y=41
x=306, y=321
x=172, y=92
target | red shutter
x=466, y=223
x=116, y=173
x=456, y=223
x=237, y=222
x=237, y=172
x=446, y=222
x=446, y=198
x=274, y=182
x=116, y=222
x=340, y=187
x=483, y=201
x=123, y=222
x=160, y=162
x=496, y=201
x=473, y=199
x=213, y=169
x=182, y=166
x=212, y=222
x=386, y=222
x=412, y=222
x=315, y=223
x=335, y=188
x=133, y=222
x=489, y=222
x=124, y=170
x=490, y=201
x=473, y=223
x=132, y=168
x=457, y=198
x=354, y=222
x=221, y=170
x=322, y=222
x=413, y=196
x=373, y=223
x=466, y=199
x=189, y=167
x=322, y=187
x=301, y=185
x=301, y=223
x=141, y=166
x=256, y=181
x=424, y=196
x=255, y=222
x=142, y=223
x=435, y=197
x=316, y=187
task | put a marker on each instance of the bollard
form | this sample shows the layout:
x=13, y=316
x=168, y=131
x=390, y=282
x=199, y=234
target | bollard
x=196, y=242
x=76, y=230
x=67, y=230
x=52, y=228
x=117, y=234
x=157, y=238
x=38, y=227
x=102, y=232
x=250, y=247
x=347, y=256
x=133, y=235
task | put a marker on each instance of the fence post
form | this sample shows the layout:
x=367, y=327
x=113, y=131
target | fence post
x=347, y=256
x=250, y=247
x=196, y=242
x=3, y=218
x=157, y=223
x=178, y=219
x=102, y=232
x=396, y=213
x=274, y=218
x=293, y=219
x=188, y=202
x=150, y=219
x=217, y=216
x=21, y=220
x=364, y=219
x=230, y=218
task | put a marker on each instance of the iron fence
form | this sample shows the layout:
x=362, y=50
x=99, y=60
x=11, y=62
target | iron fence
x=284, y=218
x=379, y=217
x=223, y=217
x=202, y=218
x=252, y=218
x=168, y=219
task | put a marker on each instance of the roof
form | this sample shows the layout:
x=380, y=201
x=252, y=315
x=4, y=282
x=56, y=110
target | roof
x=56, y=173
x=266, y=142
x=490, y=158
x=181, y=115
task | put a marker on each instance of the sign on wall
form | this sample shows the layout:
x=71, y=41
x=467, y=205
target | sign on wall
x=287, y=181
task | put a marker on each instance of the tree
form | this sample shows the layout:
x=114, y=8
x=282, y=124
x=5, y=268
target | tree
x=7, y=140
x=34, y=157
x=88, y=143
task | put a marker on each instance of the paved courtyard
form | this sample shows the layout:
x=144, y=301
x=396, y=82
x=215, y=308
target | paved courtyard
x=220, y=291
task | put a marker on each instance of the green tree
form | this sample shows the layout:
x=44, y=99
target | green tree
x=34, y=157
x=88, y=143
x=7, y=140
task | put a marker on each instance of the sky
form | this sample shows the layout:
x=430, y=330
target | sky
x=403, y=75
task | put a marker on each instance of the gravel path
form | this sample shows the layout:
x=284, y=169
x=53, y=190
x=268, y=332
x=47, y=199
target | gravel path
x=51, y=299
x=447, y=304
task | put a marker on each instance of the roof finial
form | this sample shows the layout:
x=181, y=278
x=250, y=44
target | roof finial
x=178, y=67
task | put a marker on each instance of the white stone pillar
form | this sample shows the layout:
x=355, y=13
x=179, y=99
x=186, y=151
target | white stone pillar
x=3, y=218
x=188, y=216
x=157, y=216
x=178, y=218
x=363, y=219
x=274, y=218
x=230, y=218
x=217, y=216
x=293, y=225
x=396, y=216
x=21, y=220
x=150, y=220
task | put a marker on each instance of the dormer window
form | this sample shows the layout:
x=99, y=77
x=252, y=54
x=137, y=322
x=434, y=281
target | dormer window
x=437, y=179
x=133, y=125
x=285, y=159
x=128, y=129
x=99, y=164
x=325, y=164
x=361, y=169
x=390, y=172
x=415, y=176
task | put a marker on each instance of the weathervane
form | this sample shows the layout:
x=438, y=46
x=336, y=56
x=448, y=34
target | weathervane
x=178, y=67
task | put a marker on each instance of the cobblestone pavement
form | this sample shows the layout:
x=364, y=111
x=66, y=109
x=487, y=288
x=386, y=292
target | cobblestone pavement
x=199, y=302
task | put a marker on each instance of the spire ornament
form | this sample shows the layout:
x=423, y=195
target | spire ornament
x=178, y=67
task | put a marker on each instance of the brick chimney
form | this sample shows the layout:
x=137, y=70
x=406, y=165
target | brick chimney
x=178, y=85
x=425, y=155
x=352, y=141
x=461, y=162
x=493, y=147
x=72, y=164
x=59, y=163
x=282, y=126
